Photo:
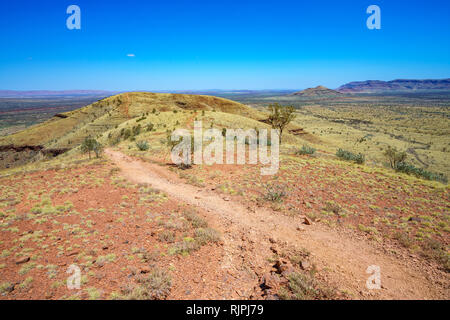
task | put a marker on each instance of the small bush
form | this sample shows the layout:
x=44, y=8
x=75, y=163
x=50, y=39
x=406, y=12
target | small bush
x=419, y=172
x=90, y=144
x=150, y=127
x=136, y=130
x=142, y=145
x=195, y=220
x=275, y=193
x=305, y=287
x=332, y=207
x=305, y=150
x=404, y=239
x=125, y=133
x=394, y=156
x=349, y=156
x=155, y=286
x=206, y=235
x=167, y=236
x=435, y=250
x=141, y=118
x=113, y=141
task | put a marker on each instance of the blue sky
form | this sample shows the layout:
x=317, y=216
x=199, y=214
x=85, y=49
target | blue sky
x=214, y=44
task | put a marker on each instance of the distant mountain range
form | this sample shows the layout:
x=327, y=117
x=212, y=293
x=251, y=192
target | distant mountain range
x=372, y=86
x=50, y=93
x=368, y=86
x=319, y=91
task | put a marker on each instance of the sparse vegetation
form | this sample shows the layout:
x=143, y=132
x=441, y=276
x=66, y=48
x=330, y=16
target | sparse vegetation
x=303, y=286
x=142, y=145
x=394, y=156
x=306, y=150
x=155, y=286
x=419, y=172
x=349, y=156
x=280, y=116
x=275, y=192
x=91, y=145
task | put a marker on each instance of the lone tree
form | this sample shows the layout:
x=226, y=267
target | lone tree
x=280, y=116
x=394, y=156
x=91, y=145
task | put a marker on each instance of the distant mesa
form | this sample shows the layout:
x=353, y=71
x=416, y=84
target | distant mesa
x=319, y=91
x=400, y=85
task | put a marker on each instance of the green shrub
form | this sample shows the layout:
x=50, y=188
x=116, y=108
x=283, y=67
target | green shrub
x=150, y=127
x=142, y=145
x=394, y=156
x=125, y=133
x=167, y=236
x=306, y=150
x=305, y=287
x=195, y=220
x=136, y=130
x=206, y=235
x=349, y=156
x=155, y=286
x=419, y=172
x=91, y=145
x=275, y=193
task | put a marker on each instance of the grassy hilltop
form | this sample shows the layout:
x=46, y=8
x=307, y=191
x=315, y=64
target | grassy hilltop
x=68, y=129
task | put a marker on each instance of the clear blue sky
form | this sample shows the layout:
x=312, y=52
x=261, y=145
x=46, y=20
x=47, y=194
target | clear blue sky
x=219, y=44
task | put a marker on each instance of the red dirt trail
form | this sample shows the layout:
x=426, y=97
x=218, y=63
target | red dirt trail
x=250, y=236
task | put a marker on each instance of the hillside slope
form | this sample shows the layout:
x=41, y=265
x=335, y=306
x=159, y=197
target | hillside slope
x=69, y=129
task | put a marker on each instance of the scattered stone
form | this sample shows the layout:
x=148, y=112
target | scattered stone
x=226, y=199
x=307, y=221
x=145, y=270
x=270, y=281
x=22, y=260
x=300, y=228
x=304, y=265
x=283, y=265
x=105, y=247
x=72, y=253
x=10, y=288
